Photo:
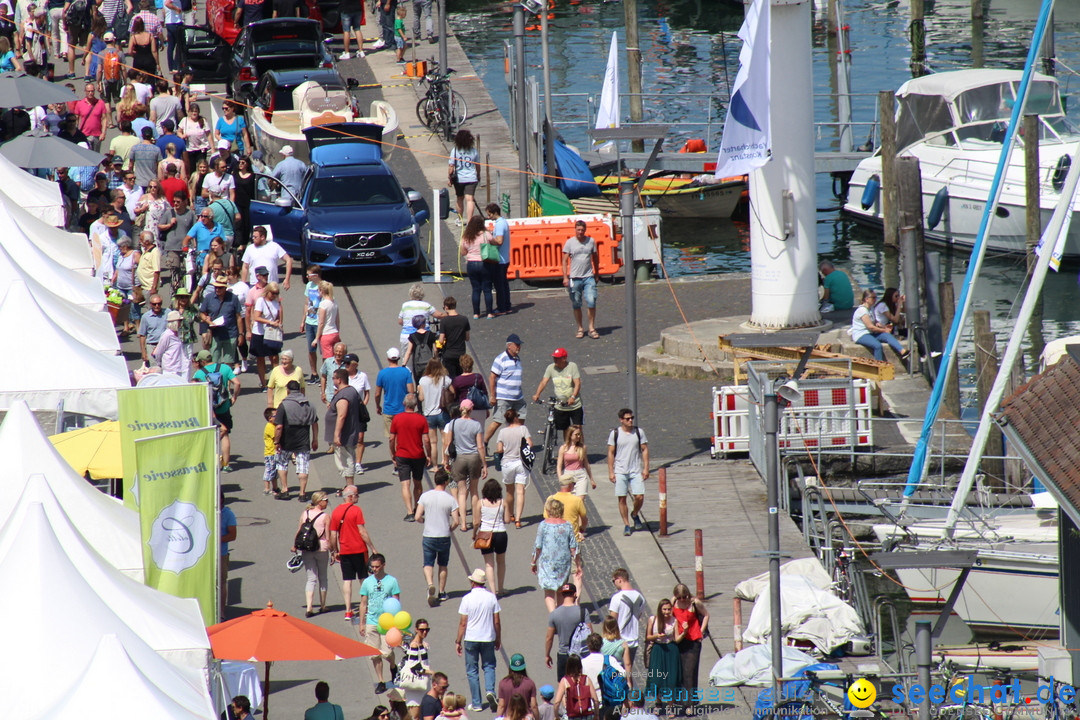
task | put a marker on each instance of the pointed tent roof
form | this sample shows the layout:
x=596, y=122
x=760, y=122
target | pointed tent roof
x=124, y=684
x=40, y=197
x=19, y=257
x=106, y=525
x=75, y=597
x=24, y=302
x=71, y=250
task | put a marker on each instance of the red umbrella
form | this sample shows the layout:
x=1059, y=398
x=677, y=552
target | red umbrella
x=269, y=635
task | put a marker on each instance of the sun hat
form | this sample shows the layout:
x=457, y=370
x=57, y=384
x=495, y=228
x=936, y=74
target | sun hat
x=173, y=316
x=478, y=576
x=220, y=281
x=204, y=356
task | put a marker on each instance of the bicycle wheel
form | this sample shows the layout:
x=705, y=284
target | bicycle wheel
x=425, y=112
x=550, y=449
x=458, y=109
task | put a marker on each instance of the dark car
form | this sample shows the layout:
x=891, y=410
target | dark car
x=275, y=88
x=351, y=211
x=280, y=44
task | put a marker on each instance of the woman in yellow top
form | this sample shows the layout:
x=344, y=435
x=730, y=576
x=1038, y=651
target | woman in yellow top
x=280, y=376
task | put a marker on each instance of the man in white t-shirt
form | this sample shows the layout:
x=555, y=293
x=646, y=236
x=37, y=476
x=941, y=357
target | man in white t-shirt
x=265, y=253
x=627, y=606
x=438, y=510
x=628, y=467
x=479, y=637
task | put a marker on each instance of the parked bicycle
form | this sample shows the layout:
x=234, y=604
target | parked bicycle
x=824, y=695
x=550, y=443
x=442, y=109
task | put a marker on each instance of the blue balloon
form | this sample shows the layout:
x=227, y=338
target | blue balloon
x=391, y=605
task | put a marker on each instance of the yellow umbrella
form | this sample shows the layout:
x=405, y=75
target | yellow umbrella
x=94, y=450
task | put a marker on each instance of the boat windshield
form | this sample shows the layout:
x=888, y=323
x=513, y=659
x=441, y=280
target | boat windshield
x=995, y=102
x=919, y=116
x=356, y=190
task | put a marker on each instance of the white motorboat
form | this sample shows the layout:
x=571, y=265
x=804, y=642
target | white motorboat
x=1013, y=587
x=317, y=104
x=954, y=123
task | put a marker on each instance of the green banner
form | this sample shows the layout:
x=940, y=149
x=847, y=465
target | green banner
x=146, y=412
x=178, y=513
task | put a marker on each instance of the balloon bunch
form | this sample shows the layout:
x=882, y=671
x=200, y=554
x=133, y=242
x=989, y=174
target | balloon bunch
x=393, y=622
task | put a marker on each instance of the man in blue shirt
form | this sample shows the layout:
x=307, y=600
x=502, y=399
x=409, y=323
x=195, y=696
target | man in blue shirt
x=200, y=235
x=290, y=171
x=220, y=311
x=168, y=136
x=505, y=384
x=501, y=231
x=392, y=384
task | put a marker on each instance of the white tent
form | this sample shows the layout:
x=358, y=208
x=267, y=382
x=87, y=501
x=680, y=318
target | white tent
x=62, y=597
x=83, y=380
x=71, y=250
x=25, y=303
x=38, y=196
x=22, y=258
x=106, y=525
x=125, y=684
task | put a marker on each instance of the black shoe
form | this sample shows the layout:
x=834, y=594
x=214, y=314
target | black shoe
x=409, y=518
x=393, y=673
x=380, y=688
x=443, y=597
x=303, y=497
x=491, y=701
x=638, y=525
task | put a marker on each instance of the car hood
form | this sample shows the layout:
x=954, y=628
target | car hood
x=368, y=218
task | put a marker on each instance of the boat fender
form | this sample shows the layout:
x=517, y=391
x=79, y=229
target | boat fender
x=694, y=145
x=1060, y=171
x=870, y=192
x=937, y=209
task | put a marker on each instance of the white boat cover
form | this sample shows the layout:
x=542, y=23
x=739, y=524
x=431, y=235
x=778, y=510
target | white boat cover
x=107, y=526
x=28, y=298
x=71, y=250
x=808, y=567
x=38, y=196
x=753, y=666
x=807, y=612
x=68, y=597
x=119, y=683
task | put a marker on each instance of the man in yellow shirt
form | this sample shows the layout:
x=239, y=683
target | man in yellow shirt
x=573, y=505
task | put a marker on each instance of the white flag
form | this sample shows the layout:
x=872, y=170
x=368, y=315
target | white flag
x=608, y=114
x=747, y=141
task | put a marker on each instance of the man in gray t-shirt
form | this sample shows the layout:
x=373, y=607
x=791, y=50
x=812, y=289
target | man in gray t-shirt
x=144, y=158
x=563, y=621
x=438, y=511
x=628, y=466
x=580, y=266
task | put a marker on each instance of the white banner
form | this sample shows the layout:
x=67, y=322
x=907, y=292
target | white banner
x=607, y=116
x=747, y=142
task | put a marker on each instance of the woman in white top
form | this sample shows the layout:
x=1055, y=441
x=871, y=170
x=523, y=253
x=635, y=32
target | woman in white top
x=430, y=392
x=514, y=471
x=316, y=561
x=219, y=183
x=491, y=520
x=267, y=313
x=327, y=333
x=415, y=305
x=195, y=132
x=870, y=334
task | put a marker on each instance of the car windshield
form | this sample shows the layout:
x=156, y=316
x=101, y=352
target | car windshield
x=356, y=190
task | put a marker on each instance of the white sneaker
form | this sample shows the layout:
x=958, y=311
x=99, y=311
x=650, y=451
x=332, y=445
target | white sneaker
x=243, y=367
x=344, y=56
x=359, y=469
x=379, y=45
x=361, y=54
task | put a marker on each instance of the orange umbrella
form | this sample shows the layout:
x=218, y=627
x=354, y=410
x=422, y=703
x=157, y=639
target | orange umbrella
x=269, y=635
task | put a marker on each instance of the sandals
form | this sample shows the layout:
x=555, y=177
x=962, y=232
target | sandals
x=594, y=335
x=580, y=334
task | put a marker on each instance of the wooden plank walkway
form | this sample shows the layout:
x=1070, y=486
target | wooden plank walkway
x=726, y=500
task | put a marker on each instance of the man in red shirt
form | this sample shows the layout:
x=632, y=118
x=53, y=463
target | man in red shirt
x=410, y=446
x=172, y=184
x=350, y=543
x=93, y=116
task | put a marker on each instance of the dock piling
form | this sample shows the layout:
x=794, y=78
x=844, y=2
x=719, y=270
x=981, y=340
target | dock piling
x=924, y=653
x=736, y=623
x=662, y=473
x=699, y=564
x=887, y=129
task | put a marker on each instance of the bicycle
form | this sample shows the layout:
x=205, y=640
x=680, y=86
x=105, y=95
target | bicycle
x=550, y=443
x=824, y=696
x=442, y=109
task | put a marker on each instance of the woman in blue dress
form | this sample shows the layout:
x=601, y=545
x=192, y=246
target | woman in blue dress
x=232, y=127
x=556, y=551
x=94, y=45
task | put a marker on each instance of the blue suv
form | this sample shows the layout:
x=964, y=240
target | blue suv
x=351, y=211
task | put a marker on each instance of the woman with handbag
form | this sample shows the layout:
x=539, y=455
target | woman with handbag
x=489, y=536
x=414, y=673
x=576, y=692
x=266, y=333
x=433, y=382
x=123, y=279
x=693, y=617
x=316, y=561
x=473, y=240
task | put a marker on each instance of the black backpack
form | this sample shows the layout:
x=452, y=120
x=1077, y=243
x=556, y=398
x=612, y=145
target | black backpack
x=423, y=349
x=307, y=538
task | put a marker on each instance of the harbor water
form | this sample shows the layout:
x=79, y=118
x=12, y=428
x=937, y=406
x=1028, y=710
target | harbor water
x=690, y=52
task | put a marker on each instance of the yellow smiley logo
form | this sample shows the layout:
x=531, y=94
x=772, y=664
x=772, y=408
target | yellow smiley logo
x=862, y=693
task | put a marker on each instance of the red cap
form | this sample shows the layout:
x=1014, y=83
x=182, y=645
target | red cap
x=559, y=352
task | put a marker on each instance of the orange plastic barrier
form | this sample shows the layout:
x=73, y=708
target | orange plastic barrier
x=536, y=245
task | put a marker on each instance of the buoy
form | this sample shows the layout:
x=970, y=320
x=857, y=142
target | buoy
x=1060, y=171
x=937, y=209
x=694, y=145
x=870, y=192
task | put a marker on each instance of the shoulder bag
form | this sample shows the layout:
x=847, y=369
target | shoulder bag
x=272, y=333
x=489, y=253
x=482, y=538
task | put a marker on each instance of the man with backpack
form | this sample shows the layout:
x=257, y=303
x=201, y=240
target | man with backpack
x=628, y=467
x=296, y=429
x=224, y=389
x=570, y=622
x=607, y=674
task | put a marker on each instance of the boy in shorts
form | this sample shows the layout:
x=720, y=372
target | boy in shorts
x=269, y=454
x=399, y=32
